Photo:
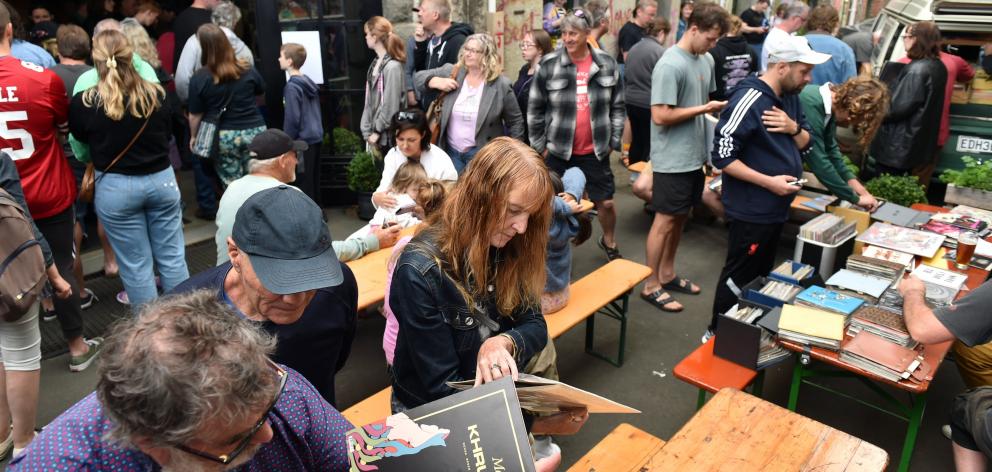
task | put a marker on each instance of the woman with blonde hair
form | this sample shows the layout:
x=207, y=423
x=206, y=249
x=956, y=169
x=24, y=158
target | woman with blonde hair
x=143, y=44
x=384, y=88
x=126, y=126
x=479, y=104
x=466, y=291
x=224, y=92
x=860, y=104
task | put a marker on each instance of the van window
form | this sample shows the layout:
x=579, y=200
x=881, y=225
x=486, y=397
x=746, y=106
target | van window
x=889, y=39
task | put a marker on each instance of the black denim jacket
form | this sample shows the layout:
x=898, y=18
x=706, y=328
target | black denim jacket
x=440, y=336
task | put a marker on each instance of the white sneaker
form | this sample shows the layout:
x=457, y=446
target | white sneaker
x=706, y=336
x=87, y=302
x=17, y=451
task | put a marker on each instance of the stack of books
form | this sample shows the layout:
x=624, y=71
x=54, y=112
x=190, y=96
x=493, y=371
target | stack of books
x=824, y=299
x=811, y=326
x=857, y=284
x=882, y=322
x=942, y=285
x=827, y=229
x=881, y=357
x=770, y=351
x=902, y=258
x=876, y=267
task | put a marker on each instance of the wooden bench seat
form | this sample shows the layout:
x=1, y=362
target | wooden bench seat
x=605, y=290
x=710, y=373
x=622, y=450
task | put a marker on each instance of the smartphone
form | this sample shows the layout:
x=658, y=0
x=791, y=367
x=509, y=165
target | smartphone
x=798, y=183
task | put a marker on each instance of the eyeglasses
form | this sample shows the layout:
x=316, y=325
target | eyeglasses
x=243, y=444
x=405, y=116
x=526, y=45
x=473, y=50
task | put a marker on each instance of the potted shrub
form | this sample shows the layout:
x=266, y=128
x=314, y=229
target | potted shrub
x=363, y=178
x=340, y=146
x=903, y=190
x=970, y=186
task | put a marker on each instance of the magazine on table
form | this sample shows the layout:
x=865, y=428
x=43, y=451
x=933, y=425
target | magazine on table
x=541, y=395
x=920, y=243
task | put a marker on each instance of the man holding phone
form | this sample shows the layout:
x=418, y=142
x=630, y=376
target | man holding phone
x=758, y=145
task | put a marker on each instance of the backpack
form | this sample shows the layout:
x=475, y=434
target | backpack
x=22, y=265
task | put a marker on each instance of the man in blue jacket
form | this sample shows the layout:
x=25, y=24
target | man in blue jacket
x=758, y=144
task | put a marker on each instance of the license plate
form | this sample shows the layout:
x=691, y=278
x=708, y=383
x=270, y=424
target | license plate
x=973, y=144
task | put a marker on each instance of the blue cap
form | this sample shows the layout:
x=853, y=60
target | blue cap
x=284, y=235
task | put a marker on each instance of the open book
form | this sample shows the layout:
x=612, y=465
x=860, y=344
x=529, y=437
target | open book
x=541, y=395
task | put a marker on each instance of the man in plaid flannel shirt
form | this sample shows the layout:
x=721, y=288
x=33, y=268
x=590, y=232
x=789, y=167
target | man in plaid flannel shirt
x=575, y=116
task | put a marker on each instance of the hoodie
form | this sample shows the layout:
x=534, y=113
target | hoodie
x=302, y=118
x=740, y=135
x=444, y=51
x=733, y=61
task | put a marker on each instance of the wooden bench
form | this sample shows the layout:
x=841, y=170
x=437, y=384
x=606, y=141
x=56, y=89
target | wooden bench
x=622, y=450
x=637, y=167
x=370, y=273
x=605, y=290
x=710, y=373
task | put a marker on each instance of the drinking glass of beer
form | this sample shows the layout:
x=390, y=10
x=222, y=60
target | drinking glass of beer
x=966, y=249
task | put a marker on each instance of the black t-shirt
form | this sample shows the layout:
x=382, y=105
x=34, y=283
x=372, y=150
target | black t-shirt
x=754, y=19
x=107, y=138
x=629, y=35
x=318, y=344
x=242, y=111
x=69, y=73
x=185, y=25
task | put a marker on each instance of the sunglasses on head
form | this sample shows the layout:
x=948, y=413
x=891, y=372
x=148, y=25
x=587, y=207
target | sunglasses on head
x=406, y=116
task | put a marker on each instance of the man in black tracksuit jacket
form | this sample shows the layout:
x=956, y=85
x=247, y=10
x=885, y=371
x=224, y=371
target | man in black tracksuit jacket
x=443, y=43
x=758, y=144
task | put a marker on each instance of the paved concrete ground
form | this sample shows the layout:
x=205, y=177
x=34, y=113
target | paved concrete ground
x=656, y=342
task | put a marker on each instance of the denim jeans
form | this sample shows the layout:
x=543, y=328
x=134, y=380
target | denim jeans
x=461, y=159
x=143, y=220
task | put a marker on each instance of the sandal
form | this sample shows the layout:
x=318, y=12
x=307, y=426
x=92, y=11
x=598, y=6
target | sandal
x=612, y=253
x=681, y=285
x=661, y=299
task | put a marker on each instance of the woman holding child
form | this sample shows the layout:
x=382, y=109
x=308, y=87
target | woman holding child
x=413, y=145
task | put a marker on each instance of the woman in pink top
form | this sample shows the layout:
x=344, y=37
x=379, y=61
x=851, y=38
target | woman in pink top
x=480, y=104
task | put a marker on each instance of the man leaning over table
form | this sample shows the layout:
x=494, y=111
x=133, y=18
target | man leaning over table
x=966, y=320
x=284, y=276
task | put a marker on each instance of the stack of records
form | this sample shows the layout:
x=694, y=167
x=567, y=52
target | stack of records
x=780, y=290
x=792, y=271
x=920, y=243
x=857, y=284
x=891, y=300
x=942, y=285
x=902, y=258
x=975, y=213
x=807, y=325
x=744, y=313
x=881, y=357
x=819, y=297
x=770, y=352
x=881, y=322
x=820, y=203
x=827, y=229
x=876, y=267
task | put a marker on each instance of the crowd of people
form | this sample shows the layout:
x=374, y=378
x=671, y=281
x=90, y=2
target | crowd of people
x=240, y=359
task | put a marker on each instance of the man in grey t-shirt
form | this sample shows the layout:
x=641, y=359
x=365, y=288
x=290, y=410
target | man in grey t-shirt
x=968, y=321
x=680, y=86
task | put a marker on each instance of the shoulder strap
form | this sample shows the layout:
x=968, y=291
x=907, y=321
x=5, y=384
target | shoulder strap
x=453, y=76
x=130, y=144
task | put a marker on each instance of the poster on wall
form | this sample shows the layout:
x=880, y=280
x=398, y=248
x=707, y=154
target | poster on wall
x=310, y=40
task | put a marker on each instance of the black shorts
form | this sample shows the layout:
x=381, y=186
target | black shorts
x=676, y=194
x=971, y=427
x=599, y=177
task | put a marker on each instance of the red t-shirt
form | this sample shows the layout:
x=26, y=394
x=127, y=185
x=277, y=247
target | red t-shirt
x=33, y=103
x=957, y=71
x=582, y=144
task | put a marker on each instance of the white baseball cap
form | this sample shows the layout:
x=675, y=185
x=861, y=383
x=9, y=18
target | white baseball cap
x=794, y=49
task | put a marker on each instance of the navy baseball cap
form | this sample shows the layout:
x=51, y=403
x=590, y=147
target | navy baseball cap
x=284, y=235
x=273, y=142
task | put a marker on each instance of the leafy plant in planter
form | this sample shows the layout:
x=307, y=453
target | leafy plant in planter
x=346, y=142
x=976, y=174
x=903, y=190
x=363, y=178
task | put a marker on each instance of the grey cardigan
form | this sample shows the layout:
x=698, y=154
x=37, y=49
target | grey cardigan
x=376, y=116
x=499, y=113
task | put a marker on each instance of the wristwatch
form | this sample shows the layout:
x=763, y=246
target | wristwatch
x=799, y=129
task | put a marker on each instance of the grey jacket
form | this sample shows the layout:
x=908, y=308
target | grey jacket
x=189, y=60
x=499, y=113
x=379, y=110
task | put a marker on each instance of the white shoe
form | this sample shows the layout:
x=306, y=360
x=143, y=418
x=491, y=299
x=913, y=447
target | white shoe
x=706, y=337
x=20, y=450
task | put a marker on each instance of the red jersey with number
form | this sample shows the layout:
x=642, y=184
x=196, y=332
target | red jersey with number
x=33, y=103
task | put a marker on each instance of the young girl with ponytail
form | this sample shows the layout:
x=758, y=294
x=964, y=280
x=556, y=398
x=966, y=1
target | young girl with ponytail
x=384, y=88
x=137, y=199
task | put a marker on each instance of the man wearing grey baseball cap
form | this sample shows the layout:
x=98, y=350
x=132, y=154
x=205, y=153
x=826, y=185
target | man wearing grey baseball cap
x=283, y=273
x=273, y=161
x=758, y=144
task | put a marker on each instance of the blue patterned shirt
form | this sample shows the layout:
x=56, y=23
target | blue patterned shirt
x=309, y=434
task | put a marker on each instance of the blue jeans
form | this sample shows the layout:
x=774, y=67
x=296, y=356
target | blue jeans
x=143, y=220
x=461, y=159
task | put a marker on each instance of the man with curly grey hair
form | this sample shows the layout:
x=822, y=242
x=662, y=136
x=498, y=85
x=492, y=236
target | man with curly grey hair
x=189, y=386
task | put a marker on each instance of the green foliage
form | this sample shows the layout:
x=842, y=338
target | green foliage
x=346, y=142
x=976, y=174
x=850, y=165
x=904, y=190
x=363, y=174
